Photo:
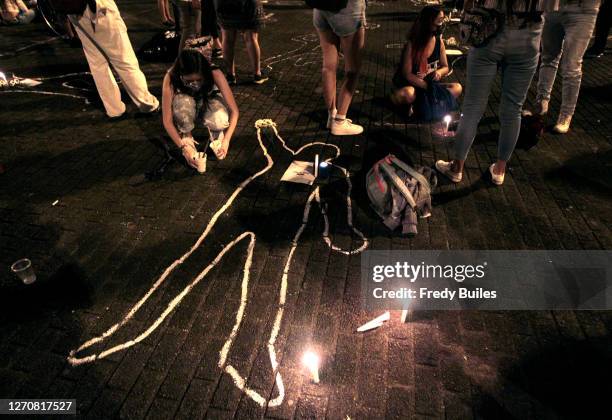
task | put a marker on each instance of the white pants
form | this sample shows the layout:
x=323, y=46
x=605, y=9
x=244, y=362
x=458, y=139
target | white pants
x=105, y=43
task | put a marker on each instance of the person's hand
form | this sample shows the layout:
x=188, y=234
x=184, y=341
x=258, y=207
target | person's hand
x=437, y=76
x=196, y=4
x=222, y=153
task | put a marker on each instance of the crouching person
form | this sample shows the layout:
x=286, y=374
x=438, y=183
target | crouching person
x=195, y=90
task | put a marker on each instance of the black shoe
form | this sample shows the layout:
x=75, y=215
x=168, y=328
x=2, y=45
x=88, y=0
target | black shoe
x=231, y=79
x=260, y=79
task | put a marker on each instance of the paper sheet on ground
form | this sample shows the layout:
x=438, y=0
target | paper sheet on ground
x=300, y=172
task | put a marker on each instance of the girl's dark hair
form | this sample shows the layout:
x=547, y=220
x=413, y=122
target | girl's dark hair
x=420, y=32
x=191, y=61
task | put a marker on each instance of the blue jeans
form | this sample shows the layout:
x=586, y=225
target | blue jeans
x=565, y=38
x=516, y=52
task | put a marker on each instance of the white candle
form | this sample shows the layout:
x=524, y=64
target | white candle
x=311, y=361
x=447, y=120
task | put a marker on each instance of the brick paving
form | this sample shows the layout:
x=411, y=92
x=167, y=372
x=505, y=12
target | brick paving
x=112, y=233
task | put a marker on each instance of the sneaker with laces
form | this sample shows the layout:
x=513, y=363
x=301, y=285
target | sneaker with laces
x=345, y=127
x=563, y=124
x=445, y=168
x=497, y=179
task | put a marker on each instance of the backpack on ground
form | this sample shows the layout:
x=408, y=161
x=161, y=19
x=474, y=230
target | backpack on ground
x=399, y=193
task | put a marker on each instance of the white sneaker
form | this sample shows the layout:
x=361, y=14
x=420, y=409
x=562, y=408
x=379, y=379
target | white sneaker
x=330, y=118
x=563, y=124
x=497, y=179
x=345, y=127
x=445, y=168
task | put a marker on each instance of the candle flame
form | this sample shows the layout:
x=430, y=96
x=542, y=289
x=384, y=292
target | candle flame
x=312, y=361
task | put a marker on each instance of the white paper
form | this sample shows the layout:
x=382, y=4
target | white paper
x=299, y=172
x=375, y=323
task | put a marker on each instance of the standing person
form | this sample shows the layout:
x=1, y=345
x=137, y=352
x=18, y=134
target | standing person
x=106, y=43
x=344, y=29
x=241, y=16
x=189, y=12
x=211, y=28
x=514, y=49
x=602, y=29
x=424, y=53
x=565, y=38
x=193, y=90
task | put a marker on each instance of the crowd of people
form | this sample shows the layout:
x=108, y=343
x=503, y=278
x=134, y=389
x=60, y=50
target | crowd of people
x=554, y=33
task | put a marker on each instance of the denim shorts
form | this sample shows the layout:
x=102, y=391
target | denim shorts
x=343, y=23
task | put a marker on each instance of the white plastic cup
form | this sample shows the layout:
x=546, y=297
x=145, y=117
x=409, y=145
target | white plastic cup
x=23, y=269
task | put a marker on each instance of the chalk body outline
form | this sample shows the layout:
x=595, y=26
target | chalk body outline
x=239, y=380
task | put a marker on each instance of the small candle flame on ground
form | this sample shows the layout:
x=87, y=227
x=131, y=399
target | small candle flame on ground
x=312, y=361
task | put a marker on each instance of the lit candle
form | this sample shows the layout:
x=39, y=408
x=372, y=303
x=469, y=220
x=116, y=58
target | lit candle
x=447, y=120
x=311, y=360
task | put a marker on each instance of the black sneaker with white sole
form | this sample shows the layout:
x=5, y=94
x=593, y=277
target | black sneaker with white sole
x=260, y=78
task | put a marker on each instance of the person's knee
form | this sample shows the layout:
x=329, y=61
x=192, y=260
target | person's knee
x=183, y=112
x=216, y=117
x=456, y=89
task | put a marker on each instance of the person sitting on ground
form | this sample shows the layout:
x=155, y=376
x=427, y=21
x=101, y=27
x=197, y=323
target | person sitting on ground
x=195, y=89
x=423, y=56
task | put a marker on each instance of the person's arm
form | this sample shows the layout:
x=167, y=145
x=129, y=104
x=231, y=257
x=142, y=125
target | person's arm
x=407, y=70
x=228, y=96
x=167, y=119
x=443, y=69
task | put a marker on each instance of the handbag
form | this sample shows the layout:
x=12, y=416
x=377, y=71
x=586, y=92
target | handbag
x=435, y=102
x=327, y=5
x=532, y=130
x=479, y=25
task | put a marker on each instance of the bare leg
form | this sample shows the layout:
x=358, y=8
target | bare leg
x=251, y=39
x=229, y=42
x=329, y=46
x=352, y=47
x=404, y=96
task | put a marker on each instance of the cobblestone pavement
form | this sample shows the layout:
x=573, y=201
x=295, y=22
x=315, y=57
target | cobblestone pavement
x=74, y=199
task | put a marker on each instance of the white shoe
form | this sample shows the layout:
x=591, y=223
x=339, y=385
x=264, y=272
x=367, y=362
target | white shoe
x=497, y=179
x=563, y=124
x=330, y=118
x=444, y=168
x=345, y=127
